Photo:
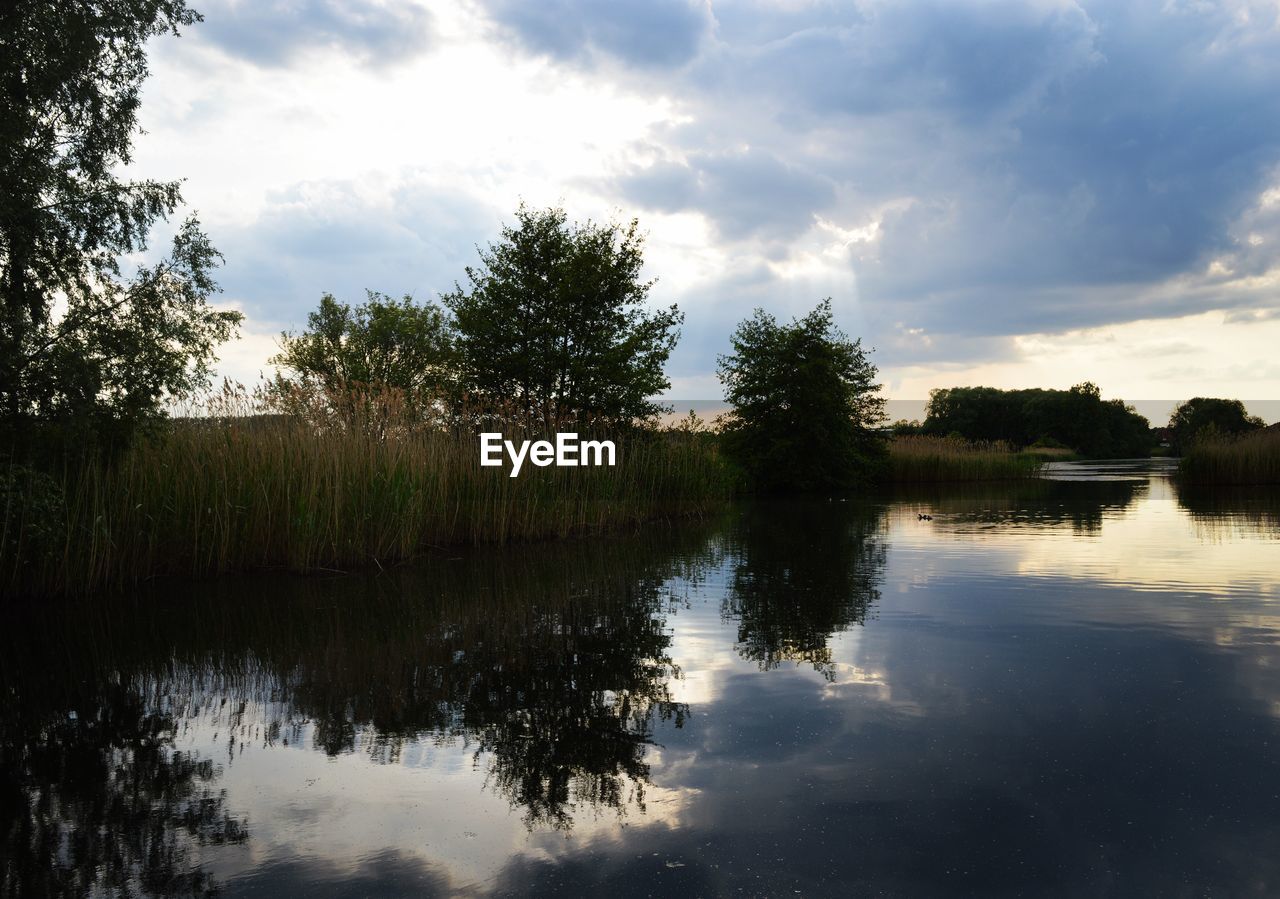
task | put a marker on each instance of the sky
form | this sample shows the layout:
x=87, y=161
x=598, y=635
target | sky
x=1002, y=193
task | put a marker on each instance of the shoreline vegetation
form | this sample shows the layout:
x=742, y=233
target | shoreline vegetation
x=1244, y=459
x=919, y=458
x=236, y=489
x=239, y=490
x=312, y=483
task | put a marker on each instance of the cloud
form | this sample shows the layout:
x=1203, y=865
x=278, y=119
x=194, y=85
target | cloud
x=408, y=236
x=745, y=194
x=659, y=33
x=1022, y=167
x=274, y=32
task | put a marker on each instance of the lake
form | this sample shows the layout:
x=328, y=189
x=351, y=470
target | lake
x=1066, y=686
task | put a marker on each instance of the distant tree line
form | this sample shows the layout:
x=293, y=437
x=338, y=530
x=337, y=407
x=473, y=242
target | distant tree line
x=1078, y=418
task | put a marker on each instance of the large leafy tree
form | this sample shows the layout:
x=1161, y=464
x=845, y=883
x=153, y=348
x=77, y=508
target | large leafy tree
x=382, y=342
x=554, y=320
x=80, y=345
x=805, y=404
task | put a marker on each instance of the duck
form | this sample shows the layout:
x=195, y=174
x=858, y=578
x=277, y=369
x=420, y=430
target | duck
x=920, y=516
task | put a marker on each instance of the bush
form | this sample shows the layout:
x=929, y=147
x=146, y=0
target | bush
x=805, y=405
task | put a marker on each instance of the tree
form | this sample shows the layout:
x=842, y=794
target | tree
x=555, y=321
x=70, y=74
x=1079, y=418
x=1205, y=417
x=383, y=342
x=805, y=404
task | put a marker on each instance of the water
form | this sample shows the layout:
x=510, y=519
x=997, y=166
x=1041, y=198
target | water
x=1062, y=687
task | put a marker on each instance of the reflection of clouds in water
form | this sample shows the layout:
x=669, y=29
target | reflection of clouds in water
x=1127, y=536
x=863, y=700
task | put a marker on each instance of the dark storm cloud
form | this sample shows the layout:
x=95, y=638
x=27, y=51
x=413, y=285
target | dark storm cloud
x=1045, y=166
x=273, y=32
x=652, y=34
x=961, y=60
x=745, y=194
x=331, y=237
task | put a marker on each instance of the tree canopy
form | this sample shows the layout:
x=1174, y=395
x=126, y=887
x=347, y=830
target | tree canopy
x=80, y=346
x=555, y=321
x=1207, y=417
x=805, y=404
x=1078, y=418
x=392, y=343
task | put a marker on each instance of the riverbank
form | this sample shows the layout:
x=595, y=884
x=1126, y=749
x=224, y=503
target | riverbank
x=918, y=459
x=222, y=495
x=251, y=492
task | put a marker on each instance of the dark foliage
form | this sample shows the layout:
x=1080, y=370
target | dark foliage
x=1078, y=418
x=1208, y=418
x=805, y=404
x=554, y=320
x=100, y=365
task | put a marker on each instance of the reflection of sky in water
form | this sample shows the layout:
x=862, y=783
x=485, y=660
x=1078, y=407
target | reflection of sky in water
x=1053, y=689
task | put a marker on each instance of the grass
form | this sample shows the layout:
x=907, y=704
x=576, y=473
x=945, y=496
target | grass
x=919, y=459
x=1251, y=459
x=236, y=492
x=318, y=486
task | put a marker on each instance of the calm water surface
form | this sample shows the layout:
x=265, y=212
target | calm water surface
x=1062, y=687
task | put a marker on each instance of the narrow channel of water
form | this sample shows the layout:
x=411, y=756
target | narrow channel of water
x=1058, y=687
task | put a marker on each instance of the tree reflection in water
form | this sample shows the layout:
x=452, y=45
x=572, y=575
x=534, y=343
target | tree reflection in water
x=94, y=798
x=800, y=574
x=1224, y=511
x=551, y=661
x=1083, y=506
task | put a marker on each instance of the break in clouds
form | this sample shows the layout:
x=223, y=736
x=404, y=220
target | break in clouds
x=954, y=174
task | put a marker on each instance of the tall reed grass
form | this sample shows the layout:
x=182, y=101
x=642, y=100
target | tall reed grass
x=1250, y=459
x=236, y=489
x=922, y=459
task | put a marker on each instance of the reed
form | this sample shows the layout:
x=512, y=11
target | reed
x=1253, y=458
x=917, y=459
x=239, y=490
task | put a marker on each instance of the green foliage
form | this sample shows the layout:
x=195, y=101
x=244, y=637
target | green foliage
x=383, y=342
x=32, y=515
x=554, y=320
x=805, y=404
x=1207, y=418
x=1078, y=418
x=70, y=74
